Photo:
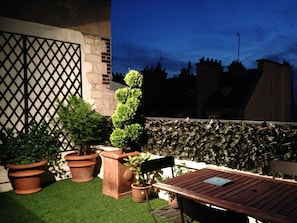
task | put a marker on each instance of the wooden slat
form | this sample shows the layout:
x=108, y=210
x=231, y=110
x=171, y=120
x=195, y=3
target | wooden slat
x=274, y=198
x=170, y=212
x=262, y=197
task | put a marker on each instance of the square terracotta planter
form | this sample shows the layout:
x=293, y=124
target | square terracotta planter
x=117, y=178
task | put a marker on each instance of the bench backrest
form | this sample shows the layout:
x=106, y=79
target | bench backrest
x=284, y=167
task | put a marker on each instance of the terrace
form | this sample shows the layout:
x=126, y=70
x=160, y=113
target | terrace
x=66, y=201
x=218, y=144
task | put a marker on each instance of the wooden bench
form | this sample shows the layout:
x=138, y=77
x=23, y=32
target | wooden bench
x=283, y=167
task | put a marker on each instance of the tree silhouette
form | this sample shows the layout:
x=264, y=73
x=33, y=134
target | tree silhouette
x=236, y=67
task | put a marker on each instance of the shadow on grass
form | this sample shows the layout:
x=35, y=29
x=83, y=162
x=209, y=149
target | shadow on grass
x=14, y=212
x=68, y=202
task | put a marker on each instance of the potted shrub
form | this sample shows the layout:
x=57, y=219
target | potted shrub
x=127, y=119
x=127, y=136
x=138, y=187
x=26, y=155
x=83, y=127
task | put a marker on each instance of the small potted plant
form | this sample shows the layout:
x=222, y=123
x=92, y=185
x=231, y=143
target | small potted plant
x=138, y=187
x=27, y=155
x=178, y=170
x=84, y=127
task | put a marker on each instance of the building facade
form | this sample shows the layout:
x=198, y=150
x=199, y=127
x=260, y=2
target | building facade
x=86, y=23
x=264, y=94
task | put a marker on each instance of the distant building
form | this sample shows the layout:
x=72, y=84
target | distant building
x=154, y=79
x=265, y=93
x=173, y=97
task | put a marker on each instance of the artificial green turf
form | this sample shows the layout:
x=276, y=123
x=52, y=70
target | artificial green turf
x=66, y=201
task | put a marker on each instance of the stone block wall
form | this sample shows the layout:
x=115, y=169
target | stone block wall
x=98, y=60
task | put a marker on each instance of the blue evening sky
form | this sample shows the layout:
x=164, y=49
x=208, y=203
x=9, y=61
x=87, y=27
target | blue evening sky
x=178, y=31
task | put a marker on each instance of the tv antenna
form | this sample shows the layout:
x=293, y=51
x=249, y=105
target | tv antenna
x=161, y=57
x=238, y=52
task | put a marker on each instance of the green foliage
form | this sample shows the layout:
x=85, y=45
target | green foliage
x=127, y=115
x=123, y=116
x=119, y=137
x=122, y=95
x=136, y=93
x=133, y=79
x=134, y=163
x=38, y=144
x=238, y=145
x=134, y=130
x=133, y=104
x=81, y=124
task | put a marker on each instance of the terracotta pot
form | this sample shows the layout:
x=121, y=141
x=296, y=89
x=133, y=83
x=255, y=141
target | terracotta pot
x=117, y=178
x=171, y=200
x=139, y=194
x=81, y=167
x=26, y=178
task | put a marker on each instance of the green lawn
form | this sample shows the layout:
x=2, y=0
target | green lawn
x=66, y=201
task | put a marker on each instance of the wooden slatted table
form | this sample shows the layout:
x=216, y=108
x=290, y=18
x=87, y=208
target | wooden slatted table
x=264, y=198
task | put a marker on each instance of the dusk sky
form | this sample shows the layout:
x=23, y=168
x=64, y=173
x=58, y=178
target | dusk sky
x=177, y=31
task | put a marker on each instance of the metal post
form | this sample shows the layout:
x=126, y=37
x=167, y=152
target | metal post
x=26, y=94
x=238, y=46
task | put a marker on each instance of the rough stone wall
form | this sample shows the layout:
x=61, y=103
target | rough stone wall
x=99, y=73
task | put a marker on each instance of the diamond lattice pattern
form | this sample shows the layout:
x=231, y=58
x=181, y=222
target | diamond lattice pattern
x=35, y=72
